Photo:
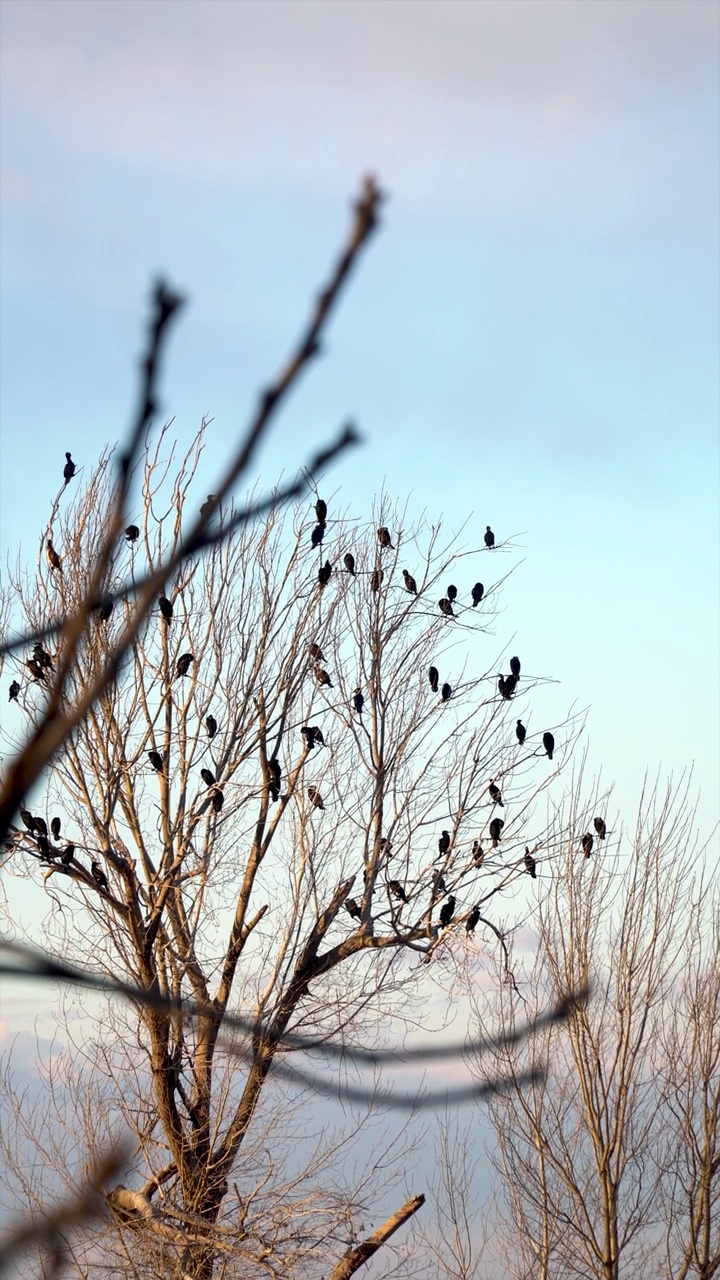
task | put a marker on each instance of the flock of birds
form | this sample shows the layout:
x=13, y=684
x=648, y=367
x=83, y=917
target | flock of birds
x=41, y=664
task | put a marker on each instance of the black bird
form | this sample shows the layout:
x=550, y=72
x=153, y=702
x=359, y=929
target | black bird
x=495, y=794
x=530, y=863
x=587, y=843
x=35, y=670
x=317, y=535
x=438, y=885
x=316, y=734
x=55, y=827
x=410, y=583
x=444, y=843
x=275, y=778
x=478, y=854
x=217, y=799
x=349, y=562
x=211, y=726
x=385, y=847
x=358, y=701
x=384, y=537
x=105, y=608
x=66, y=856
x=321, y=511
x=397, y=890
x=98, y=875
x=308, y=737
x=206, y=507
x=41, y=826
x=166, y=608
x=376, y=579
x=183, y=664
x=44, y=846
x=549, y=744
x=496, y=827
x=322, y=677
x=477, y=593
x=447, y=911
x=433, y=677
x=28, y=819
x=156, y=760
x=315, y=797
x=515, y=667
x=132, y=533
x=43, y=657
x=208, y=777
x=445, y=607
x=352, y=908
x=14, y=691
x=489, y=537
x=68, y=469
x=507, y=686
x=520, y=732
x=451, y=593
x=52, y=555
x=316, y=653
x=473, y=920
x=446, y=693
x=324, y=574
x=599, y=825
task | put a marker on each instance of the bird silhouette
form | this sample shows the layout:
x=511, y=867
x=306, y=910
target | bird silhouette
x=156, y=760
x=438, y=885
x=321, y=511
x=515, y=667
x=41, y=826
x=376, y=578
x=324, y=574
x=43, y=844
x=68, y=469
x=66, y=856
x=530, y=863
x=352, y=908
x=451, y=593
x=211, y=726
x=601, y=829
x=478, y=854
x=384, y=537
x=358, y=701
x=520, y=732
x=166, y=608
x=316, y=653
x=98, y=875
x=549, y=744
x=206, y=508
x=433, y=677
x=397, y=890
x=385, y=847
x=444, y=843
x=495, y=794
x=507, y=686
x=447, y=911
x=410, y=583
x=489, y=537
x=445, y=607
x=473, y=920
x=477, y=593
x=55, y=827
x=322, y=677
x=132, y=533
x=105, y=608
x=312, y=734
x=183, y=664
x=43, y=657
x=28, y=820
x=217, y=799
x=587, y=843
x=317, y=535
x=13, y=691
x=446, y=692
x=52, y=555
x=315, y=797
x=496, y=827
x=275, y=778
x=208, y=777
x=349, y=562
x=35, y=669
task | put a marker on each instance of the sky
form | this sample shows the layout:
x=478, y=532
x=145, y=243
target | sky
x=531, y=341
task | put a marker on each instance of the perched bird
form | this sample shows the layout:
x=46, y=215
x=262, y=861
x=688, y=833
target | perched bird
x=410, y=583
x=317, y=535
x=496, y=827
x=68, y=469
x=520, y=732
x=217, y=799
x=478, y=854
x=66, y=856
x=397, y=890
x=352, y=908
x=208, y=777
x=530, y=863
x=322, y=677
x=507, y=685
x=317, y=734
x=321, y=511
x=495, y=794
x=41, y=826
x=549, y=744
x=433, y=677
x=444, y=843
x=324, y=574
x=44, y=846
x=166, y=608
x=52, y=555
x=447, y=911
x=515, y=667
x=275, y=778
x=315, y=797
x=14, y=691
x=35, y=669
x=451, y=593
x=445, y=607
x=601, y=829
x=477, y=593
x=385, y=847
x=55, y=827
x=206, y=508
x=587, y=843
x=376, y=578
x=358, y=701
x=105, y=608
x=446, y=693
x=473, y=920
x=384, y=537
x=98, y=875
x=316, y=653
x=156, y=760
x=28, y=819
x=489, y=537
x=349, y=562
x=183, y=664
x=311, y=734
x=211, y=726
x=132, y=533
x=438, y=885
x=43, y=657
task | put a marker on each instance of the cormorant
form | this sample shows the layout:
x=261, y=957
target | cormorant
x=98, y=875
x=444, y=843
x=549, y=744
x=35, y=670
x=52, y=555
x=496, y=827
x=322, y=677
x=217, y=799
x=43, y=657
x=530, y=863
x=166, y=608
x=41, y=826
x=311, y=734
x=446, y=692
x=445, y=607
x=14, y=691
x=376, y=579
x=28, y=819
x=183, y=664
x=55, y=827
x=315, y=797
x=599, y=825
x=317, y=734
x=349, y=562
x=495, y=794
x=587, y=843
x=44, y=846
x=451, y=593
x=489, y=537
x=507, y=686
x=317, y=535
x=473, y=920
x=211, y=726
x=105, y=608
x=520, y=732
x=66, y=856
x=324, y=574
x=208, y=777
x=156, y=760
x=410, y=583
x=478, y=854
x=515, y=667
x=477, y=593
x=316, y=653
x=397, y=890
x=321, y=511
x=206, y=507
x=385, y=847
x=132, y=533
x=438, y=885
x=352, y=908
x=384, y=537
x=447, y=911
x=433, y=677
x=358, y=701
x=68, y=469
x=275, y=778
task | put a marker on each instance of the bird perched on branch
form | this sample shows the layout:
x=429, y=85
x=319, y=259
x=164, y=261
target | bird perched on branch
x=496, y=827
x=349, y=562
x=52, y=555
x=397, y=890
x=489, y=537
x=433, y=677
x=28, y=820
x=478, y=855
x=446, y=693
x=132, y=533
x=208, y=777
x=183, y=664
x=445, y=607
x=495, y=794
x=275, y=778
x=410, y=583
x=166, y=609
x=321, y=511
x=13, y=691
x=472, y=921
x=352, y=908
x=35, y=670
x=105, y=608
x=447, y=911
x=507, y=685
x=206, y=508
x=358, y=701
x=40, y=826
x=477, y=593
x=520, y=732
x=549, y=744
x=44, y=846
x=385, y=847
x=317, y=535
x=156, y=760
x=66, y=856
x=530, y=863
x=384, y=537
x=322, y=677
x=601, y=829
x=316, y=653
x=444, y=843
x=98, y=875
x=451, y=593
x=217, y=799
x=376, y=578
x=211, y=726
x=68, y=469
x=515, y=667
x=56, y=827
x=43, y=657
x=315, y=797
x=324, y=574
x=587, y=843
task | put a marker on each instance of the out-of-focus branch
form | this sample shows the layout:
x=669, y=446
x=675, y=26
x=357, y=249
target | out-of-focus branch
x=356, y=1257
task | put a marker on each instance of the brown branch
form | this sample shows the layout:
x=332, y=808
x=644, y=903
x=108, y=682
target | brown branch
x=357, y=1257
